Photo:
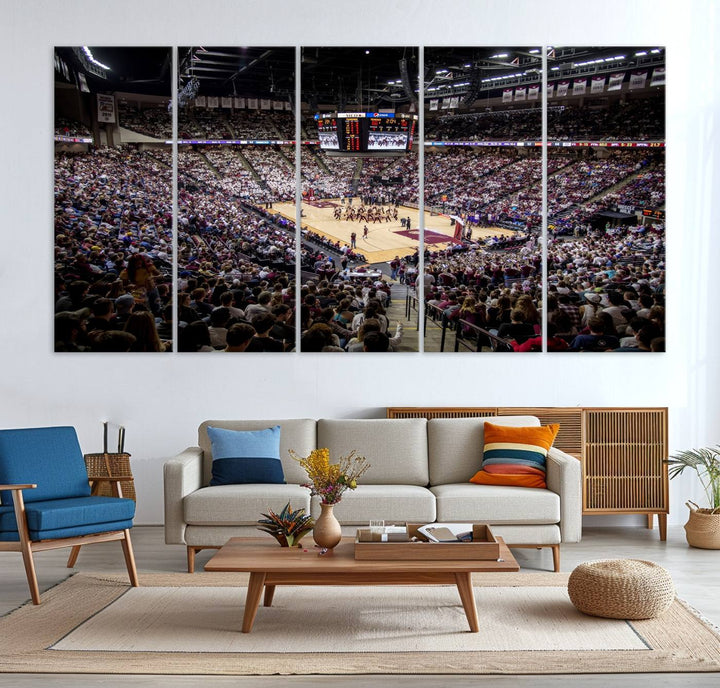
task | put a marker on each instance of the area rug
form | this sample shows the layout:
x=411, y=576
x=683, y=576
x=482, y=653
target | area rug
x=189, y=624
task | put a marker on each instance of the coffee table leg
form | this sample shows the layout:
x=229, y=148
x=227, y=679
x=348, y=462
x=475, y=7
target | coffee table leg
x=269, y=592
x=464, y=586
x=252, y=601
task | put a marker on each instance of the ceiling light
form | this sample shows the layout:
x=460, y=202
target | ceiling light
x=90, y=57
x=492, y=57
x=642, y=52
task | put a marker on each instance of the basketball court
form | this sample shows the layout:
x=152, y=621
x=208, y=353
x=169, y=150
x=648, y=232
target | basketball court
x=385, y=240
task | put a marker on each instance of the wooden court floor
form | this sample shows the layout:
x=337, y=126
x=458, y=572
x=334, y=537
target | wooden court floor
x=384, y=240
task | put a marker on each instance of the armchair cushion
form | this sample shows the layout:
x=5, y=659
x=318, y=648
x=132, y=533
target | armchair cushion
x=49, y=457
x=69, y=517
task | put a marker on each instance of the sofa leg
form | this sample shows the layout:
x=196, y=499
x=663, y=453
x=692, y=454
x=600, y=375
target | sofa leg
x=556, y=558
x=191, y=559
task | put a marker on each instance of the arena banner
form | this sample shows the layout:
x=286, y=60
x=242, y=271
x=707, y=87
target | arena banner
x=445, y=104
x=550, y=90
x=455, y=102
x=264, y=103
x=239, y=103
x=598, y=84
x=507, y=95
x=226, y=102
x=213, y=102
x=533, y=92
x=658, y=77
x=278, y=105
x=201, y=101
x=520, y=93
x=434, y=103
x=637, y=80
x=562, y=88
x=579, y=87
x=106, y=108
x=252, y=103
x=615, y=82
x=82, y=82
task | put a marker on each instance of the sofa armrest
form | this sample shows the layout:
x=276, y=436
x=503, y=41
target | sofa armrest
x=182, y=475
x=564, y=477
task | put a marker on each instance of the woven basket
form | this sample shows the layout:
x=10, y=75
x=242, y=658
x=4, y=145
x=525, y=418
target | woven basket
x=703, y=527
x=621, y=589
x=109, y=466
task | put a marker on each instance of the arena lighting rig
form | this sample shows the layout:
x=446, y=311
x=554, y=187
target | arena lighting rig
x=187, y=93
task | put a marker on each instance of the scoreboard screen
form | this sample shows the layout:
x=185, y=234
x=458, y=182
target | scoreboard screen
x=360, y=132
x=350, y=134
x=389, y=133
x=327, y=133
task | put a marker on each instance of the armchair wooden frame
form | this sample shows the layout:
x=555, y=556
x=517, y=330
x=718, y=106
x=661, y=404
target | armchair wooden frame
x=26, y=546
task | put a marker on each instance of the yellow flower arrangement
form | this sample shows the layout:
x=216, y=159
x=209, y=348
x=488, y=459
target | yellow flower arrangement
x=329, y=480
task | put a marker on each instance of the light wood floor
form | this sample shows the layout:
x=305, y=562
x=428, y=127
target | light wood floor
x=383, y=242
x=696, y=574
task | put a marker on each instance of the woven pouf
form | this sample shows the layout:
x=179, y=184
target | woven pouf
x=621, y=589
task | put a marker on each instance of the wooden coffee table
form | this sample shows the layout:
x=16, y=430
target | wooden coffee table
x=270, y=565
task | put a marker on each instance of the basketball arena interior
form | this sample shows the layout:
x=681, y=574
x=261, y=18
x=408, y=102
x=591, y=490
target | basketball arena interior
x=270, y=199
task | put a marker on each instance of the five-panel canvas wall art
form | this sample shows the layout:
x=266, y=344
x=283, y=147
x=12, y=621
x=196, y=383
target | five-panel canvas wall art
x=359, y=199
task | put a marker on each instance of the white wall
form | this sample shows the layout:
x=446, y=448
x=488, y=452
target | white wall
x=161, y=400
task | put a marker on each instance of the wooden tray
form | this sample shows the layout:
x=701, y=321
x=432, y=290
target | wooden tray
x=483, y=547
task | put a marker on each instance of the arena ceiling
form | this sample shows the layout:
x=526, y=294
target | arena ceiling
x=346, y=76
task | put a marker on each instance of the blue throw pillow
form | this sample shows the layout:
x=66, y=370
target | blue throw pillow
x=241, y=457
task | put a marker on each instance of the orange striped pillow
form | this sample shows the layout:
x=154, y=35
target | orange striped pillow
x=515, y=456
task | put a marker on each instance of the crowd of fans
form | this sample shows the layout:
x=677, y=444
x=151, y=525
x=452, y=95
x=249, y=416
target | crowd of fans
x=224, y=124
x=154, y=121
x=113, y=263
x=642, y=119
x=236, y=288
x=606, y=291
x=69, y=127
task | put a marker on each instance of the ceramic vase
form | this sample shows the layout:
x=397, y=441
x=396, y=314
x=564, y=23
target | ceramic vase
x=327, y=532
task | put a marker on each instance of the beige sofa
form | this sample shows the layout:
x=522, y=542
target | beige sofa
x=419, y=473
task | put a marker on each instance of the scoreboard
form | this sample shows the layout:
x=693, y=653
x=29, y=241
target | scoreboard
x=350, y=137
x=361, y=132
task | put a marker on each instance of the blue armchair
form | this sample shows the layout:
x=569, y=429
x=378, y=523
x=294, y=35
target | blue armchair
x=46, y=503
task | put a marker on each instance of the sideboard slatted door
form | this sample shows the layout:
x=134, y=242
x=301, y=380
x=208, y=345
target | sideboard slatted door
x=440, y=412
x=623, y=462
x=569, y=437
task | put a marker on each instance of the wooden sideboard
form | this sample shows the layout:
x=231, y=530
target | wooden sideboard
x=622, y=451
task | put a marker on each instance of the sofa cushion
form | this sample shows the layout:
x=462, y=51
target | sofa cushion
x=389, y=503
x=547, y=534
x=496, y=504
x=245, y=456
x=515, y=456
x=396, y=449
x=51, y=458
x=455, y=445
x=298, y=434
x=227, y=505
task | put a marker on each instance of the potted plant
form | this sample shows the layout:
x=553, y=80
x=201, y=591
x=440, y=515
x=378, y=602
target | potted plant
x=288, y=527
x=703, y=527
